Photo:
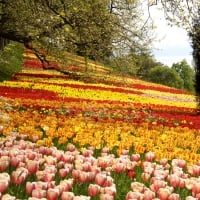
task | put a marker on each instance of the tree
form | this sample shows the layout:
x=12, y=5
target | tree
x=186, y=73
x=195, y=38
x=91, y=28
x=178, y=12
x=166, y=76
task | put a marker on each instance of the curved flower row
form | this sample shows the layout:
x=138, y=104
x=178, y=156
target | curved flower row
x=67, y=139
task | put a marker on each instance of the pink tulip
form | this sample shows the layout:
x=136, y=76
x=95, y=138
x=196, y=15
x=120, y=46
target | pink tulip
x=3, y=185
x=182, y=183
x=32, y=166
x=66, y=184
x=150, y=156
x=87, y=166
x=103, y=162
x=67, y=196
x=163, y=161
x=108, y=182
x=174, y=196
x=63, y=172
x=181, y=163
x=105, y=150
x=125, y=151
x=149, y=195
x=119, y=167
x=3, y=165
x=195, y=170
x=58, y=155
x=197, y=196
x=93, y=190
x=190, y=198
x=100, y=179
x=135, y=157
x=19, y=176
x=196, y=188
x=8, y=197
x=83, y=177
x=75, y=173
x=157, y=184
x=69, y=166
x=48, y=177
x=174, y=180
x=39, y=193
x=29, y=187
x=137, y=187
x=14, y=161
x=145, y=177
x=106, y=197
x=52, y=194
x=68, y=158
x=87, y=152
x=109, y=190
x=134, y=195
x=70, y=147
x=163, y=193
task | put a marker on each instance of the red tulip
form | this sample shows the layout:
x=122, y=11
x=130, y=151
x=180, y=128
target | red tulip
x=131, y=173
x=93, y=190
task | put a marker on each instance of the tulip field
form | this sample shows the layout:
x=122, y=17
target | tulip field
x=99, y=136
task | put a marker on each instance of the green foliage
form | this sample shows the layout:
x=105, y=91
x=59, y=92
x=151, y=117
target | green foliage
x=94, y=29
x=195, y=38
x=186, y=73
x=10, y=60
x=166, y=76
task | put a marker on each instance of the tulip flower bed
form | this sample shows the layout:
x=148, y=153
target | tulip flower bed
x=122, y=138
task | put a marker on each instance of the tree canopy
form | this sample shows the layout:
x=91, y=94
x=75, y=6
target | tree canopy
x=186, y=73
x=93, y=28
